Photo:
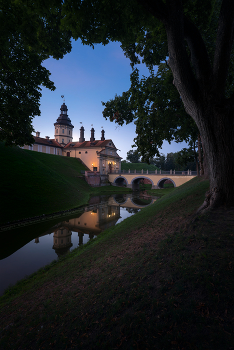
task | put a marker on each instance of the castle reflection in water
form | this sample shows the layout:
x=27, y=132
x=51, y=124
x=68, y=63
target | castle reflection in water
x=101, y=213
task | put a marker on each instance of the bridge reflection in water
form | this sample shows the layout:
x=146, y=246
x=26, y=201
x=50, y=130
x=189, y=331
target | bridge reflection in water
x=100, y=214
x=20, y=256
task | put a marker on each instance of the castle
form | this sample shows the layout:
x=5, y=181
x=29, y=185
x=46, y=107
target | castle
x=98, y=155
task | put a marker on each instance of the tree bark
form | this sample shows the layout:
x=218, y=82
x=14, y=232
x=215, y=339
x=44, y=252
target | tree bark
x=201, y=85
x=204, y=101
x=217, y=133
x=200, y=155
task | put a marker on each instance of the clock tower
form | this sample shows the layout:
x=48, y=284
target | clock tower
x=63, y=127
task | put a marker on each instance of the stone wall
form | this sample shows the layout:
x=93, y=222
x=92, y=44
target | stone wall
x=93, y=178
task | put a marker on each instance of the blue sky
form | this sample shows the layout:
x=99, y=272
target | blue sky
x=87, y=76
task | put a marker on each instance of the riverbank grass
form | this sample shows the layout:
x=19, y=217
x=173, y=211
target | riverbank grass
x=34, y=183
x=162, y=279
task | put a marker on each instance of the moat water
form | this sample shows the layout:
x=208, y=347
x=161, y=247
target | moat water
x=25, y=250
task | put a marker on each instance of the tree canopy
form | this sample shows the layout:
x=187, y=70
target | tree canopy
x=133, y=156
x=154, y=105
x=195, y=38
x=30, y=33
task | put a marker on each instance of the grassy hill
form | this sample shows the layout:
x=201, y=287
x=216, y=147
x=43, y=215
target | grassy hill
x=138, y=166
x=158, y=280
x=37, y=183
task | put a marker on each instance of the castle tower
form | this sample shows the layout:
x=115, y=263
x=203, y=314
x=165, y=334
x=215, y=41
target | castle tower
x=63, y=127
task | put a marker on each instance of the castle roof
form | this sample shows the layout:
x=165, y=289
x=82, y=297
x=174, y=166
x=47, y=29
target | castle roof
x=63, y=118
x=46, y=142
x=94, y=144
x=91, y=144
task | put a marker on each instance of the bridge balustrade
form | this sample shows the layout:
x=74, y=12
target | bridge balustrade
x=156, y=172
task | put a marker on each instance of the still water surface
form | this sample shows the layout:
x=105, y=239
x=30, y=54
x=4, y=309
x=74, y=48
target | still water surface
x=23, y=251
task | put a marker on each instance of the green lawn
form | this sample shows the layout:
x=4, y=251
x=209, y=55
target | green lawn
x=162, y=279
x=34, y=183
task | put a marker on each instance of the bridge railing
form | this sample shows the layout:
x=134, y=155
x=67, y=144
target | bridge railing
x=156, y=172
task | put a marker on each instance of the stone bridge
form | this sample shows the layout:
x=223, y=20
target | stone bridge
x=132, y=179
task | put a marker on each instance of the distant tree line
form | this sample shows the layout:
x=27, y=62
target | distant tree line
x=174, y=161
x=186, y=159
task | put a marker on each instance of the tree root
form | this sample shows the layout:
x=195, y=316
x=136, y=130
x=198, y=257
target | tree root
x=212, y=201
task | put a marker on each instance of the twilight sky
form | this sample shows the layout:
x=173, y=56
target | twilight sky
x=85, y=77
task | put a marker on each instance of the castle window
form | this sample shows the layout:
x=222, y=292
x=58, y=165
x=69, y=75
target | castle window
x=86, y=151
x=62, y=140
x=63, y=131
x=79, y=152
x=110, y=152
x=69, y=132
x=56, y=131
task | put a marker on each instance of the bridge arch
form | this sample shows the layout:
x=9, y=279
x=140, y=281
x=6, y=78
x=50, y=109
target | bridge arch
x=120, y=181
x=140, y=177
x=117, y=198
x=163, y=180
x=140, y=204
x=136, y=181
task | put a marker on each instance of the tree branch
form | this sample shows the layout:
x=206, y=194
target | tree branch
x=224, y=44
x=199, y=56
x=184, y=78
x=156, y=7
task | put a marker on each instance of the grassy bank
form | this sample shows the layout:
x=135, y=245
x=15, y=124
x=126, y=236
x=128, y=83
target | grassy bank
x=34, y=183
x=157, y=280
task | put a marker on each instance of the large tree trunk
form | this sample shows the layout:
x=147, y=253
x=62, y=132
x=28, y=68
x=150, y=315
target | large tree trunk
x=200, y=154
x=217, y=132
x=202, y=90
